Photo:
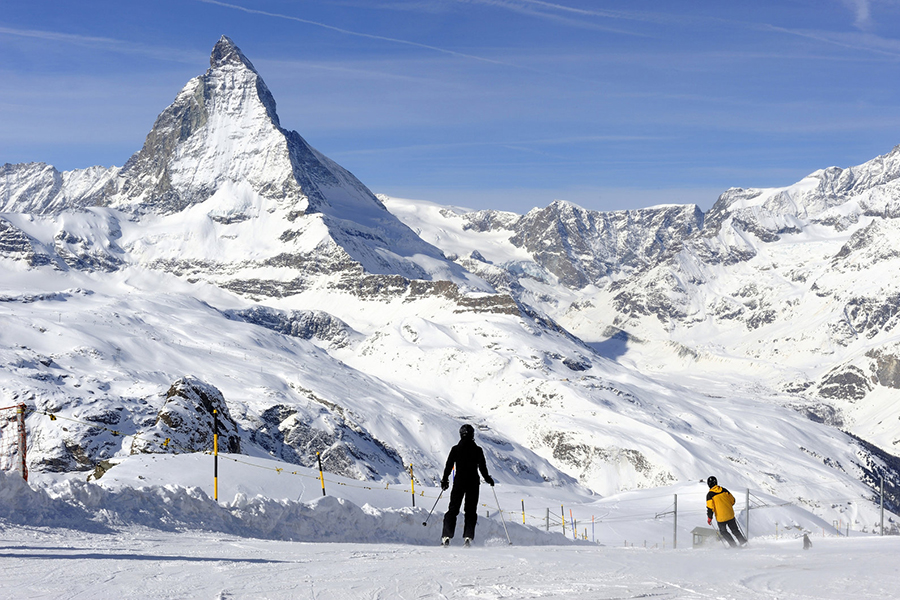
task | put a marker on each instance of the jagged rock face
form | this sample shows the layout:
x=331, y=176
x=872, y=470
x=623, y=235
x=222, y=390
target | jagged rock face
x=582, y=247
x=40, y=189
x=17, y=245
x=304, y=324
x=186, y=422
x=344, y=447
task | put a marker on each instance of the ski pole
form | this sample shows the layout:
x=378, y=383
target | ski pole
x=425, y=522
x=501, y=515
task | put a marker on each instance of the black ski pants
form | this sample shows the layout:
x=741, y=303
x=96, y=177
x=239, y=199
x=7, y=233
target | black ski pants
x=461, y=490
x=732, y=524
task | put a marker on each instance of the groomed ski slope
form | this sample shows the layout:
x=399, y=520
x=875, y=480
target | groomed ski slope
x=149, y=529
x=57, y=564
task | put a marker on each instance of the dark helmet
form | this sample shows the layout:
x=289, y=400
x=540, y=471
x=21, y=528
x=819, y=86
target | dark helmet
x=712, y=482
x=466, y=432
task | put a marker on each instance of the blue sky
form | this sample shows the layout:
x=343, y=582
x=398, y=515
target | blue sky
x=506, y=104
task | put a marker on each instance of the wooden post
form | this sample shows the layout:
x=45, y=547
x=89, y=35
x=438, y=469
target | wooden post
x=23, y=441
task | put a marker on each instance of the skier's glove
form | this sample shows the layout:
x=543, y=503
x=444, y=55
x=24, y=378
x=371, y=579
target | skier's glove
x=489, y=480
x=444, y=484
x=709, y=521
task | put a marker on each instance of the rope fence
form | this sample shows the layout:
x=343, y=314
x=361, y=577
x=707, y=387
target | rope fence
x=563, y=521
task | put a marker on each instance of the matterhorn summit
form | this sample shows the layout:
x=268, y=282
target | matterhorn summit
x=227, y=186
x=221, y=133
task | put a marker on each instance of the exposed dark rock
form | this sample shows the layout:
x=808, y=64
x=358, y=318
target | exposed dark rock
x=845, y=383
x=187, y=421
x=873, y=315
x=577, y=363
x=304, y=324
x=887, y=368
x=344, y=447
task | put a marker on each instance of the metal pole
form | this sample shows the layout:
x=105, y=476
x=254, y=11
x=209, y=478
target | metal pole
x=425, y=522
x=675, y=530
x=882, y=506
x=499, y=510
x=747, y=518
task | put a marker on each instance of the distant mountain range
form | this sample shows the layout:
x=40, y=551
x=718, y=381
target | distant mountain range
x=230, y=265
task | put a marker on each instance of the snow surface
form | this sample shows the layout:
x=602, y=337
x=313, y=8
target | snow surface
x=123, y=536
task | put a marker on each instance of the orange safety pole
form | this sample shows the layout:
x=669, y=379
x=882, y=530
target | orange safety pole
x=412, y=483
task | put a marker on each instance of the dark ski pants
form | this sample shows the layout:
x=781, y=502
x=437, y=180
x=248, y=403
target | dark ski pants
x=470, y=492
x=732, y=524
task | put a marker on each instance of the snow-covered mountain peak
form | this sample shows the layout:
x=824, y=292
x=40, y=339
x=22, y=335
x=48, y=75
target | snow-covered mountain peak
x=833, y=196
x=226, y=52
x=221, y=128
x=230, y=184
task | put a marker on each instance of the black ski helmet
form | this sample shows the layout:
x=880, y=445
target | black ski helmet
x=712, y=482
x=466, y=432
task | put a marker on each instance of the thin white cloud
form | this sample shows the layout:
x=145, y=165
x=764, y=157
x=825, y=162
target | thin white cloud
x=518, y=145
x=354, y=33
x=396, y=41
x=562, y=14
x=862, y=12
x=104, y=43
x=865, y=42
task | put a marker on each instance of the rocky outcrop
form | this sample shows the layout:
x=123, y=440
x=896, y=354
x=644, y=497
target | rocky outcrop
x=303, y=324
x=187, y=421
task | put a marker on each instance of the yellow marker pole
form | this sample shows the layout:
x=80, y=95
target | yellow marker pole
x=215, y=455
x=321, y=474
x=523, y=511
x=412, y=483
x=562, y=511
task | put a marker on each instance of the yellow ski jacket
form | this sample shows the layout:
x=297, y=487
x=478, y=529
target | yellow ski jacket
x=719, y=502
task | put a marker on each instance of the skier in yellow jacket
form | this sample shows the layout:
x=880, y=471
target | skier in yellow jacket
x=719, y=503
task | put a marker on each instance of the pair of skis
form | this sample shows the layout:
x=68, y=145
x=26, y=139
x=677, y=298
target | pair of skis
x=497, y=500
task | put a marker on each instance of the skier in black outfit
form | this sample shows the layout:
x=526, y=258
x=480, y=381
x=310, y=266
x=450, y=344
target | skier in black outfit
x=469, y=460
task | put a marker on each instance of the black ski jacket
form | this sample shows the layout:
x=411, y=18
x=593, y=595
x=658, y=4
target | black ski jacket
x=469, y=460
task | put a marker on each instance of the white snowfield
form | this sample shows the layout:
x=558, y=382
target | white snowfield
x=273, y=535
